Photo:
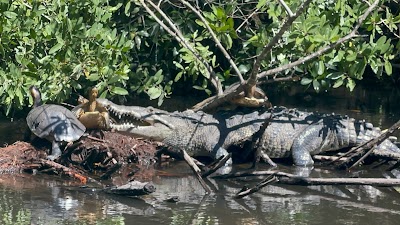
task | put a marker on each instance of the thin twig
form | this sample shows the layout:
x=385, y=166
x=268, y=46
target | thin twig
x=246, y=20
x=362, y=158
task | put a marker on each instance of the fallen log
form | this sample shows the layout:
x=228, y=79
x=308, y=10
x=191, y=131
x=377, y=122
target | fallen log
x=366, y=149
x=307, y=181
x=291, y=179
x=67, y=171
x=133, y=188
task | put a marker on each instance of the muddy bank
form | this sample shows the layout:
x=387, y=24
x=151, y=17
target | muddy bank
x=100, y=156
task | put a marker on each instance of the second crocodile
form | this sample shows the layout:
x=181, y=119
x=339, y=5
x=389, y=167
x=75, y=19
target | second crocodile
x=291, y=133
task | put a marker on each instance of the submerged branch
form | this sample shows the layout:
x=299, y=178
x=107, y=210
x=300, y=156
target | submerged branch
x=216, y=165
x=196, y=170
x=244, y=192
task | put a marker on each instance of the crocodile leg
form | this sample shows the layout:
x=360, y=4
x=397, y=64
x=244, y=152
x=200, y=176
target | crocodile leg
x=310, y=140
x=227, y=168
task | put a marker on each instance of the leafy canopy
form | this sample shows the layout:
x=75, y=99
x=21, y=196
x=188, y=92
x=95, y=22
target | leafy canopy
x=69, y=46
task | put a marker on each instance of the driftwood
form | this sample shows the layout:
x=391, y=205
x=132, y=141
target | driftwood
x=366, y=148
x=66, y=170
x=133, y=188
x=216, y=165
x=287, y=178
x=196, y=170
x=245, y=191
x=112, y=170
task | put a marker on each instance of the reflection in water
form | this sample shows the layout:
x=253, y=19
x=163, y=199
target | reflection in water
x=27, y=199
x=41, y=200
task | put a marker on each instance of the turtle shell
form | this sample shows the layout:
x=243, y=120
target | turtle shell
x=54, y=122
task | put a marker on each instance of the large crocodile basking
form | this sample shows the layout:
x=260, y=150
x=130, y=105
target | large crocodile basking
x=291, y=133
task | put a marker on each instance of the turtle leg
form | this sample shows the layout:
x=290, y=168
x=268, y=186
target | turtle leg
x=55, y=151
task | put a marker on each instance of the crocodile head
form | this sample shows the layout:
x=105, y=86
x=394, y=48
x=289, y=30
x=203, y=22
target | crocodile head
x=145, y=122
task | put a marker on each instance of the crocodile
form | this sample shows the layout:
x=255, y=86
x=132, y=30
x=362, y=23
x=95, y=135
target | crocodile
x=290, y=133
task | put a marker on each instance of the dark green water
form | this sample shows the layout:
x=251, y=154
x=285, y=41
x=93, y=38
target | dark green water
x=27, y=199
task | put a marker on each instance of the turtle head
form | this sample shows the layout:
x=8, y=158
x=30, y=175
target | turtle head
x=37, y=97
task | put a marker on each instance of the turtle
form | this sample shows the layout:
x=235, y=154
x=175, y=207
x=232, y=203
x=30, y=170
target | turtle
x=53, y=122
x=92, y=114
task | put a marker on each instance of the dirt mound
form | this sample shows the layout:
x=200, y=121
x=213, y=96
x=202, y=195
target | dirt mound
x=16, y=157
x=99, y=156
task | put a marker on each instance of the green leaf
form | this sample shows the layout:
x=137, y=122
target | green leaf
x=178, y=65
x=305, y=81
x=388, y=67
x=10, y=15
x=321, y=67
x=93, y=77
x=198, y=87
x=119, y=91
x=381, y=41
x=158, y=77
x=104, y=94
x=338, y=83
x=334, y=76
x=178, y=76
x=261, y=3
x=154, y=92
x=351, y=56
x=127, y=8
x=113, y=79
x=316, y=85
x=243, y=69
x=351, y=84
x=56, y=47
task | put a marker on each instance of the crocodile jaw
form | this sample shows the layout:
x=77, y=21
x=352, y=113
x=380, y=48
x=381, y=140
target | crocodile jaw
x=156, y=132
x=137, y=121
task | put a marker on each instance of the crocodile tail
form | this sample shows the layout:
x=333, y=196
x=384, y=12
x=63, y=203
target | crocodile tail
x=365, y=132
x=386, y=147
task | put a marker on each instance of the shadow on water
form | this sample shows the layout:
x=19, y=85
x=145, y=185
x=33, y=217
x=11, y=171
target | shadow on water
x=27, y=199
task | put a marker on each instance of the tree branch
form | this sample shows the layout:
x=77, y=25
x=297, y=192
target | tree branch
x=181, y=39
x=351, y=35
x=252, y=81
x=223, y=50
x=283, y=3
